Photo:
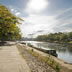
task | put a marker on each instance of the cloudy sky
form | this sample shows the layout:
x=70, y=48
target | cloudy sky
x=42, y=16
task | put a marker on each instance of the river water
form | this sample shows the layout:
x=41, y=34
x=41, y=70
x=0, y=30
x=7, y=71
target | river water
x=63, y=50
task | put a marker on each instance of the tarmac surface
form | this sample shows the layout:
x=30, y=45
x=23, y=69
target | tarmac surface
x=11, y=60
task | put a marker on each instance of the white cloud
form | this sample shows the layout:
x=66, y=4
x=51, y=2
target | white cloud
x=12, y=9
x=17, y=13
x=36, y=22
x=41, y=20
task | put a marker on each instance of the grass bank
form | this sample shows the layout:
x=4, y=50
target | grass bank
x=47, y=59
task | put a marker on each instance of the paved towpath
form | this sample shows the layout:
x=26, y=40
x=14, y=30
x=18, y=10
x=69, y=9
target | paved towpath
x=11, y=60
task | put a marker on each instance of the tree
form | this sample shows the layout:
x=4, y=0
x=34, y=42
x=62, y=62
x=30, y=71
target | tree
x=70, y=35
x=56, y=37
x=8, y=25
x=64, y=37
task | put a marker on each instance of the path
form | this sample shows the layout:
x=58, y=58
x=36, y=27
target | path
x=11, y=60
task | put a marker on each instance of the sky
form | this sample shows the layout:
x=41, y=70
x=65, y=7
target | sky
x=42, y=16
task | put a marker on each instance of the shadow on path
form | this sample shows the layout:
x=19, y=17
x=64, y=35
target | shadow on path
x=6, y=44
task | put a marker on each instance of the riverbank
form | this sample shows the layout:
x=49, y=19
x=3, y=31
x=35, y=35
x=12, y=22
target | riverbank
x=35, y=64
x=59, y=42
x=64, y=67
x=70, y=42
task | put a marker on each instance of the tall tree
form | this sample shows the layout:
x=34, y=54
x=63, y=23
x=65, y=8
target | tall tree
x=8, y=24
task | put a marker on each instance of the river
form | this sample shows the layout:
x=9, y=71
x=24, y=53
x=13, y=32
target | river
x=63, y=50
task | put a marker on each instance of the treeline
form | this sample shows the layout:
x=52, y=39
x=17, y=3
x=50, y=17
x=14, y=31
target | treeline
x=56, y=37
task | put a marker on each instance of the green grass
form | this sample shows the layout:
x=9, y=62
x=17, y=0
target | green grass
x=70, y=42
x=47, y=59
x=51, y=62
